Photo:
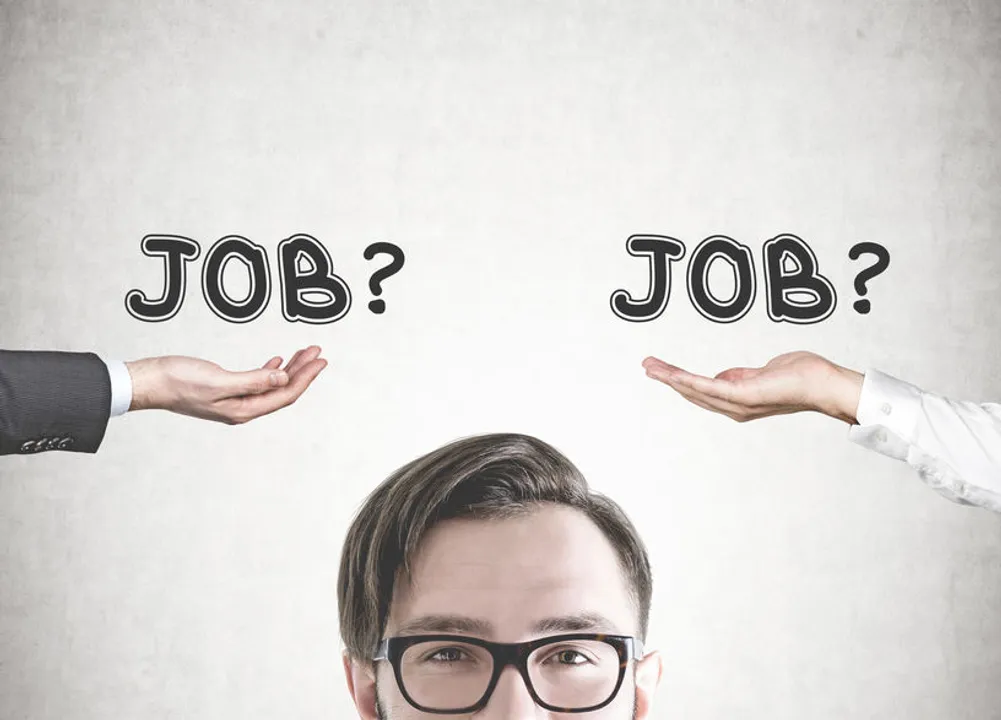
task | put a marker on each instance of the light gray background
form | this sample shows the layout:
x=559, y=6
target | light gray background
x=188, y=570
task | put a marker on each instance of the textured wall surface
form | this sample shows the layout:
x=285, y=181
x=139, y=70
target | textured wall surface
x=188, y=569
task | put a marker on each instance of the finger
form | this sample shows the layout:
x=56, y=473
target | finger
x=739, y=413
x=663, y=371
x=298, y=382
x=652, y=363
x=703, y=400
x=692, y=398
x=720, y=389
x=268, y=378
x=273, y=364
x=709, y=402
x=293, y=359
x=305, y=356
x=252, y=407
x=252, y=382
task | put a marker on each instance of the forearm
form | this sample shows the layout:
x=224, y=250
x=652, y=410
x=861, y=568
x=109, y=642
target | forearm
x=954, y=446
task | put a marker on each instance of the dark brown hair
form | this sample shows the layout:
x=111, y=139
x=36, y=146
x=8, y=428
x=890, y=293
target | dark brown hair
x=485, y=476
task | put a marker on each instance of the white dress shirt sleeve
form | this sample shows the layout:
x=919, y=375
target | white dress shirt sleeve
x=121, y=386
x=954, y=446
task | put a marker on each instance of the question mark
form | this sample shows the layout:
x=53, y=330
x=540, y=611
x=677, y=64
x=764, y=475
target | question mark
x=375, y=282
x=882, y=262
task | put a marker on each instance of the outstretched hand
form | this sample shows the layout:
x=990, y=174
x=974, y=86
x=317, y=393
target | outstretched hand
x=202, y=389
x=789, y=383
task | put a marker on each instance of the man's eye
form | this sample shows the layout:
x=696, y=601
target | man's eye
x=447, y=655
x=568, y=657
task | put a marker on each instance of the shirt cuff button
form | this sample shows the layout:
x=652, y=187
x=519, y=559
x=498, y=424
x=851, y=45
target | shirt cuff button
x=886, y=409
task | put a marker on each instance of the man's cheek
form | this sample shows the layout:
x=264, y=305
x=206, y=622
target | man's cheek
x=389, y=705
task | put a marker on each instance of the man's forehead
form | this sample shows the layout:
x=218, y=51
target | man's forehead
x=514, y=574
x=548, y=546
x=582, y=621
x=549, y=528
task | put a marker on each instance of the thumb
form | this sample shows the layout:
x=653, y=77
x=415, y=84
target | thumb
x=254, y=382
x=735, y=374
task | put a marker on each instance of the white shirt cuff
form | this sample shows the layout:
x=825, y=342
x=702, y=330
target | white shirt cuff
x=887, y=414
x=121, y=386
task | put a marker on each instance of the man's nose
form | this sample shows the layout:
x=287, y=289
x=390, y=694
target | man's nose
x=511, y=700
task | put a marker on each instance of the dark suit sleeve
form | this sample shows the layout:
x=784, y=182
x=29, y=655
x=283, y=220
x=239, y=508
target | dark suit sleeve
x=52, y=401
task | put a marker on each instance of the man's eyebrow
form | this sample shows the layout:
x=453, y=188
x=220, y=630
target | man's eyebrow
x=577, y=622
x=446, y=624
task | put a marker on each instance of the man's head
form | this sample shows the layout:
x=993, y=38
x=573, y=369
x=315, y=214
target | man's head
x=495, y=539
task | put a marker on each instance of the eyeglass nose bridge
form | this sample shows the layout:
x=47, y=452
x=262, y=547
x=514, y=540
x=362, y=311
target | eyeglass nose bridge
x=510, y=655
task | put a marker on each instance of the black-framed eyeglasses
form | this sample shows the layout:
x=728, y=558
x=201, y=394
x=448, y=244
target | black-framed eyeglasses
x=452, y=674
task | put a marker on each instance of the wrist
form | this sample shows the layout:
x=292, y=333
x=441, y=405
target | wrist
x=842, y=390
x=145, y=376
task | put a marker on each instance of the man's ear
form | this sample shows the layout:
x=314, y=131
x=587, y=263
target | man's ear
x=361, y=685
x=648, y=672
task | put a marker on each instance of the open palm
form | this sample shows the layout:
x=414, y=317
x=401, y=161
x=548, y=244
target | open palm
x=202, y=389
x=788, y=383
